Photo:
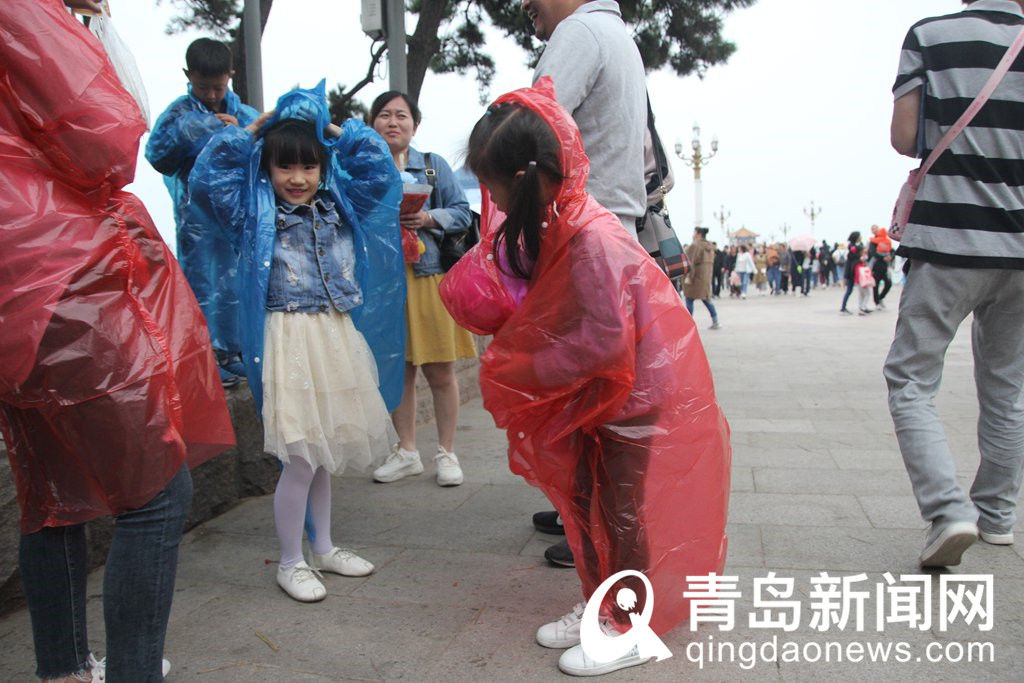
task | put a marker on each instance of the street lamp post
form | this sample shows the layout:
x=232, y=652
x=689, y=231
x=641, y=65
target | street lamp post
x=722, y=216
x=696, y=160
x=812, y=213
x=785, y=231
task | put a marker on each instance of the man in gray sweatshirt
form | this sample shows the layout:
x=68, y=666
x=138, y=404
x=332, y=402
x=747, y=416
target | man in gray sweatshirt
x=599, y=78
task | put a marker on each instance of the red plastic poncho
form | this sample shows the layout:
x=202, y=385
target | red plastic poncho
x=107, y=380
x=601, y=382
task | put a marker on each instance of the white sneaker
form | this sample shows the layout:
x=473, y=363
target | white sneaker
x=400, y=464
x=448, y=471
x=575, y=662
x=342, y=561
x=301, y=582
x=996, y=539
x=947, y=543
x=98, y=668
x=562, y=633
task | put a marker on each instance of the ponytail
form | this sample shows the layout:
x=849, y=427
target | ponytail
x=520, y=232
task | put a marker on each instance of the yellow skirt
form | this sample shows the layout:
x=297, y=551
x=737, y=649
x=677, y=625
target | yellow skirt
x=432, y=336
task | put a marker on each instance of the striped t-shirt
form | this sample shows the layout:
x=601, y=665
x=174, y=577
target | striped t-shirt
x=969, y=211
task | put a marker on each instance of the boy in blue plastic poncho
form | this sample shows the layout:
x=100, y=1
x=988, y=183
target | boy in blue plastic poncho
x=181, y=132
x=313, y=210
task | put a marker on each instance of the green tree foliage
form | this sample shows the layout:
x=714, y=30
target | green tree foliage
x=685, y=35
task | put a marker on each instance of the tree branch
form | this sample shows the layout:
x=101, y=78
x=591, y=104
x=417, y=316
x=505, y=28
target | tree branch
x=377, y=54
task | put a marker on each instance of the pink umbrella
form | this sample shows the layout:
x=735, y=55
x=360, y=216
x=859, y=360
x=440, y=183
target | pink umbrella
x=802, y=242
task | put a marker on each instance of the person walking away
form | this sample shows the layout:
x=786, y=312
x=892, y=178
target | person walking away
x=880, y=258
x=744, y=268
x=853, y=253
x=785, y=267
x=965, y=248
x=716, y=271
x=773, y=270
x=760, y=266
x=697, y=284
x=839, y=258
x=825, y=264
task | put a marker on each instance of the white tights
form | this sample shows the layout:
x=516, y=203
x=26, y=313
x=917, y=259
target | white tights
x=299, y=483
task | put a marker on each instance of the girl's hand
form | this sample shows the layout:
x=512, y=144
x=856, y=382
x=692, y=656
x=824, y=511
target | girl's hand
x=415, y=221
x=333, y=130
x=227, y=119
x=255, y=126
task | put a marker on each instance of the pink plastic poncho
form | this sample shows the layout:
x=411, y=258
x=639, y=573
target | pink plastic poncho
x=107, y=380
x=600, y=379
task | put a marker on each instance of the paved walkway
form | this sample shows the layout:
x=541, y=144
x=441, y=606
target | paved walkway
x=461, y=585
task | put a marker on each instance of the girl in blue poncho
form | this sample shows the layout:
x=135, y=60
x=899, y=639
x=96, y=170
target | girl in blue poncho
x=312, y=207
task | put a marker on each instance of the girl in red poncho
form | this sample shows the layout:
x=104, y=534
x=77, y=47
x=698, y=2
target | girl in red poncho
x=596, y=372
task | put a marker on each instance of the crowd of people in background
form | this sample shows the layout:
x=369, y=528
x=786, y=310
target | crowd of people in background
x=778, y=269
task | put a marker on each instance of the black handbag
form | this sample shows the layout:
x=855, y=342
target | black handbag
x=453, y=245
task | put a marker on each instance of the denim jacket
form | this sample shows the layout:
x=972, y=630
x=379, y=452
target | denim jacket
x=314, y=262
x=447, y=205
x=361, y=180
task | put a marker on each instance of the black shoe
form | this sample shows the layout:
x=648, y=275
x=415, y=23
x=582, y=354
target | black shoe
x=560, y=555
x=548, y=523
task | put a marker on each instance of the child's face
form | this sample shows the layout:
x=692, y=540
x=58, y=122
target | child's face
x=209, y=90
x=500, y=192
x=295, y=183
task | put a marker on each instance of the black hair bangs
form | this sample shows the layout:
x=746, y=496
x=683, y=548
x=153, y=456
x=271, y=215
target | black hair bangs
x=292, y=141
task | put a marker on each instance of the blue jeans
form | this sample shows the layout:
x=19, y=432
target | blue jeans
x=744, y=281
x=138, y=587
x=774, y=278
x=707, y=302
x=849, y=291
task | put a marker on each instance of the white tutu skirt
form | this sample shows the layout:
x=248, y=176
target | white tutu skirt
x=320, y=396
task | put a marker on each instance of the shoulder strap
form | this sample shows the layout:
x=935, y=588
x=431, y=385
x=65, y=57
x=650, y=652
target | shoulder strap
x=428, y=170
x=660, y=161
x=974, y=107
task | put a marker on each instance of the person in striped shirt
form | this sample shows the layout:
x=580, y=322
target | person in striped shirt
x=964, y=245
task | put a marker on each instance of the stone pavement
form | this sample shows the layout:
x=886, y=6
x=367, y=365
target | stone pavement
x=461, y=584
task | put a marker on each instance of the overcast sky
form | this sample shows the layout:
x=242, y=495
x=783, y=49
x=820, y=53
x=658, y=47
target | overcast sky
x=801, y=110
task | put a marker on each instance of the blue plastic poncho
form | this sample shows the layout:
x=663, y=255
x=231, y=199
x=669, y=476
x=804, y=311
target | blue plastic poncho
x=208, y=260
x=229, y=184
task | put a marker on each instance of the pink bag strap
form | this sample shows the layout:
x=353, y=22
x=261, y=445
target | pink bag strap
x=972, y=109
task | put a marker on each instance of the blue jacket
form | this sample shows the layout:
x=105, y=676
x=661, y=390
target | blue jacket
x=362, y=181
x=208, y=261
x=447, y=205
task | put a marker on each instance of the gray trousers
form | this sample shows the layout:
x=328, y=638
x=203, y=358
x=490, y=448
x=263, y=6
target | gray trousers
x=935, y=300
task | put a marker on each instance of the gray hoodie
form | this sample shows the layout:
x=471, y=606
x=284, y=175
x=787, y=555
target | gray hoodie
x=599, y=78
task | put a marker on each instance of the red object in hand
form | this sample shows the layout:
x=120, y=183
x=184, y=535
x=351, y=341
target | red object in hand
x=410, y=246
